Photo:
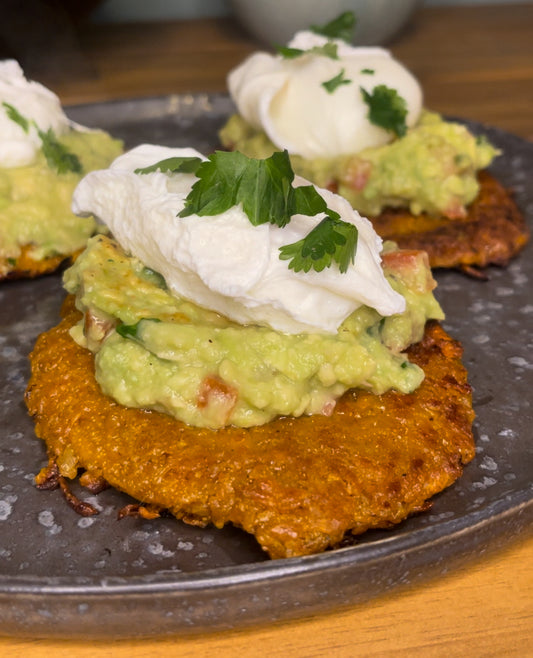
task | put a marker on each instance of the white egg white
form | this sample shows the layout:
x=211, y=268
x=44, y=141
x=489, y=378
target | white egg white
x=223, y=262
x=286, y=97
x=40, y=106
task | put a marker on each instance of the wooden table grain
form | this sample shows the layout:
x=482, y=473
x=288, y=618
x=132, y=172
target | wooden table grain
x=473, y=62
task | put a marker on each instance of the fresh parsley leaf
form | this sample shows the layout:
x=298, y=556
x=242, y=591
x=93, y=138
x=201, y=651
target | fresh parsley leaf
x=176, y=165
x=127, y=330
x=57, y=156
x=132, y=330
x=387, y=109
x=307, y=201
x=216, y=189
x=368, y=71
x=264, y=187
x=341, y=27
x=331, y=85
x=16, y=116
x=329, y=49
x=330, y=240
x=289, y=53
x=266, y=191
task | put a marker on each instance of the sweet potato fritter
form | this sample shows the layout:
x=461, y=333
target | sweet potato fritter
x=297, y=484
x=493, y=231
x=26, y=267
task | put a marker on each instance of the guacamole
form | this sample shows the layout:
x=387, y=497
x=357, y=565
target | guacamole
x=156, y=351
x=35, y=199
x=432, y=169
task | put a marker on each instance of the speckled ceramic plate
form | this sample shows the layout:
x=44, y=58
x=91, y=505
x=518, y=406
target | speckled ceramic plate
x=62, y=575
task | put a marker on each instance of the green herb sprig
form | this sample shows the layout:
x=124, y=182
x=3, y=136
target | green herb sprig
x=16, y=116
x=341, y=27
x=57, y=156
x=265, y=190
x=329, y=49
x=387, y=109
x=132, y=330
x=229, y=178
x=337, y=81
x=331, y=240
x=175, y=165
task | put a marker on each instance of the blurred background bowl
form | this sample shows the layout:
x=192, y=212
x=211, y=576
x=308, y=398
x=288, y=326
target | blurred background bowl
x=275, y=21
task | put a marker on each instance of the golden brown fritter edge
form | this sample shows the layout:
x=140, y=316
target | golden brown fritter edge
x=297, y=484
x=26, y=267
x=493, y=231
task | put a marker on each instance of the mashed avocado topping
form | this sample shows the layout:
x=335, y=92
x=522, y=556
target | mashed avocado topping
x=432, y=169
x=35, y=199
x=154, y=350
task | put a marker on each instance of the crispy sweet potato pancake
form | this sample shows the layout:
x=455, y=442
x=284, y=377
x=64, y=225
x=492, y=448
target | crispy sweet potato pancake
x=493, y=231
x=297, y=484
x=26, y=267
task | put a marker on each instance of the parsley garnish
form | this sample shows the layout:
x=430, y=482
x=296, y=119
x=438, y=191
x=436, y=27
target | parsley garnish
x=132, y=330
x=387, y=109
x=265, y=190
x=17, y=117
x=331, y=85
x=57, y=156
x=264, y=187
x=289, y=53
x=341, y=27
x=176, y=165
x=127, y=330
x=331, y=240
x=368, y=71
x=329, y=49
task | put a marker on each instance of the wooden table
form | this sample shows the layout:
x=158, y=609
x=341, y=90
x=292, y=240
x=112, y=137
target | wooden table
x=474, y=63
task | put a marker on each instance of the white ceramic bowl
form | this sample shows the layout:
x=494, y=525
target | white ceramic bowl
x=275, y=21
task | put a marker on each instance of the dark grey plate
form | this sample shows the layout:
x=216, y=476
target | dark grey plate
x=62, y=575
